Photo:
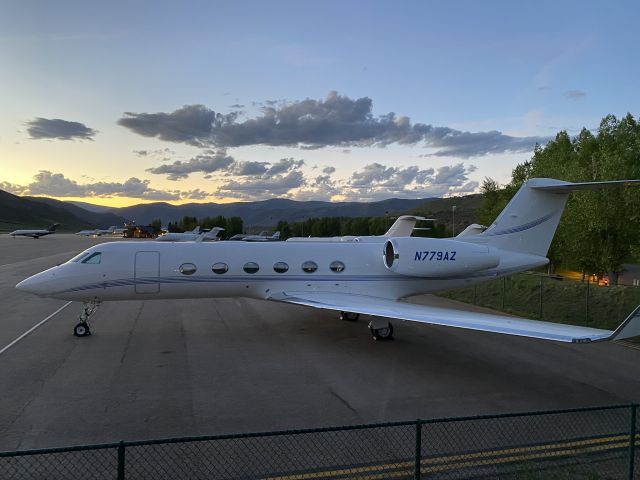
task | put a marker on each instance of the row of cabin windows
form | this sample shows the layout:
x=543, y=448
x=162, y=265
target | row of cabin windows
x=252, y=267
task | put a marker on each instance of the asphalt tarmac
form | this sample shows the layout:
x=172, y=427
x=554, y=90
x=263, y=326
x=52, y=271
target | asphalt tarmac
x=197, y=367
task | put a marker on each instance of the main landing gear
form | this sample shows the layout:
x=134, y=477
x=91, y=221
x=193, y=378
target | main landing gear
x=88, y=309
x=381, y=329
x=349, y=316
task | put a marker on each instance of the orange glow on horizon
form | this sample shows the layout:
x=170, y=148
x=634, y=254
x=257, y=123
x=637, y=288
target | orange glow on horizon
x=120, y=202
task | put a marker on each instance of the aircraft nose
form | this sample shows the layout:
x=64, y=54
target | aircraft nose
x=38, y=284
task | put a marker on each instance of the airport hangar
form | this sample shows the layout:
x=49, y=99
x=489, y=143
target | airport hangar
x=194, y=367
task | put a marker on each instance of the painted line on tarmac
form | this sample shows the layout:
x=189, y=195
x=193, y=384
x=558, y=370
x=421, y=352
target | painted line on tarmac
x=42, y=322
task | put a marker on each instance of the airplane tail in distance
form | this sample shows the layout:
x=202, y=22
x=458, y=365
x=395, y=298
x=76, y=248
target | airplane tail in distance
x=276, y=236
x=529, y=221
x=53, y=227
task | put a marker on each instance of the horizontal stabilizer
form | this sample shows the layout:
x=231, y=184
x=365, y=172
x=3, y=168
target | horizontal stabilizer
x=577, y=187
x=461, y=319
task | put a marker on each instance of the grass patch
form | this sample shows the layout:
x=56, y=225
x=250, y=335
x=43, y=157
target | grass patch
x=554, y=300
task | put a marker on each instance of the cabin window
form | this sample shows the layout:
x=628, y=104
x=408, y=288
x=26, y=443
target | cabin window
x=309, y=266
x=280, y=267
x=220, y=268
x=251, y=267
x=94, y=258
x=188, y=269
x=337, y=266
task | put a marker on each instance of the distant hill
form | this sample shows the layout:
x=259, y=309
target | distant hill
x=38, y=212
x=103, y=219
x=265, y=213
x=268, y=212
x=17, y=212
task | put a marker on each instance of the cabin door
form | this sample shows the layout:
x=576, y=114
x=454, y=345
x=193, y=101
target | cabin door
x=147, y=272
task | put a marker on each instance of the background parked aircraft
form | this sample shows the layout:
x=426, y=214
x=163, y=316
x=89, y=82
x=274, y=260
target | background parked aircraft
x=261, y=237
x=35, y=233
x=98, y=231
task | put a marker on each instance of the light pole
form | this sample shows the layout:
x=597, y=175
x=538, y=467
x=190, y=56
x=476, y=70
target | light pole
x=453, y=220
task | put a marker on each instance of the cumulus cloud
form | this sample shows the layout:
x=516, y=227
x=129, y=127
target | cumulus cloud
x=207, y=163
x=376, y=182
x=220, y=162
x=55, y=128
x=309, y=124
x=57, y=185
x=263, y=187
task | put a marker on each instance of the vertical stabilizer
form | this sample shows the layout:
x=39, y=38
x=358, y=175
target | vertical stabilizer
x=529, y=221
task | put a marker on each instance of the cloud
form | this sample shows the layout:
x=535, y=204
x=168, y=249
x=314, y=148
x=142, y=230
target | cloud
x=57, y=185
x=376, y=182
x=207, y=163
x=55, y=128
x=220, y=162
x=11, y=188
x=575, y=94
x=159, y=152
x=263, y=187
x=190, y=124
x=328, y=170
x=310, y=124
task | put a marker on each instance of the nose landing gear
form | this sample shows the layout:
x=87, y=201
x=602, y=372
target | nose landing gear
x=88, y=309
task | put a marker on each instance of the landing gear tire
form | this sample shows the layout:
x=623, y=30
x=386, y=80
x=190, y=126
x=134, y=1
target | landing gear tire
x=88, y=310
x=384, y=333
x=349, y=316
x=82, y=329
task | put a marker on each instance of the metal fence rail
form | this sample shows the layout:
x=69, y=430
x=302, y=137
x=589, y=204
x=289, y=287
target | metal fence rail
x=589, y=443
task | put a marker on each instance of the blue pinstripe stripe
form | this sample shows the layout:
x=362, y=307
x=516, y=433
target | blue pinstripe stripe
x=521, y=228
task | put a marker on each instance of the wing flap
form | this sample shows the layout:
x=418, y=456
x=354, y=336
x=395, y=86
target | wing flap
x=460, y=319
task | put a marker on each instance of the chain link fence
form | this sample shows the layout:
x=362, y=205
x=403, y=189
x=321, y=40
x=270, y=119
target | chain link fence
x=589, y=443
x=554, y=299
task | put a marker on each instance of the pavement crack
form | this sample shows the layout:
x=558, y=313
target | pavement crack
x=130, y=333
x=343, y=401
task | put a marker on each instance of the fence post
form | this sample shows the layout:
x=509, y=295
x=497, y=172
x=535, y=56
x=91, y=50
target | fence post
x=121, y=461
x=504, y=290
x=418, y=473
x=541, y=290
x=587, y=299
x=632, y=441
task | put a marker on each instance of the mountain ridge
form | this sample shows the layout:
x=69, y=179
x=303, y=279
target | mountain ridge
x=263, y=213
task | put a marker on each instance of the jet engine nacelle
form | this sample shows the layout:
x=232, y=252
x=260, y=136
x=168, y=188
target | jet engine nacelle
x=434, y=257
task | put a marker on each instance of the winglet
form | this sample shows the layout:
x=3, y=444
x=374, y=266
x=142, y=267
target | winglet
x=629, y=328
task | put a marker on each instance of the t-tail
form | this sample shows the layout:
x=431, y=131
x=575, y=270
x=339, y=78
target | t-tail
x=529, y=221
x=52, y=228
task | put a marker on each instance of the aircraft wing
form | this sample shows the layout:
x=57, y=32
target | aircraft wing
x=461, y=319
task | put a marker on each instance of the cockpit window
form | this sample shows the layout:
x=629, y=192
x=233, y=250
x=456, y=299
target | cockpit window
x=94, y=258
x=78, y=257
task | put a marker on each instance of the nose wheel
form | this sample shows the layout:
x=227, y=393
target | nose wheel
x=82, y=329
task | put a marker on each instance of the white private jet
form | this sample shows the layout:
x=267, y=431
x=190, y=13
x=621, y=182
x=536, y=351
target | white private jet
x=35, y=233
x=194, y=235
x=261, y=237
x=354, y=277
x=97, y=232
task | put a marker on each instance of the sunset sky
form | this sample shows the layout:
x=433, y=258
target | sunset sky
x=124, y=102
